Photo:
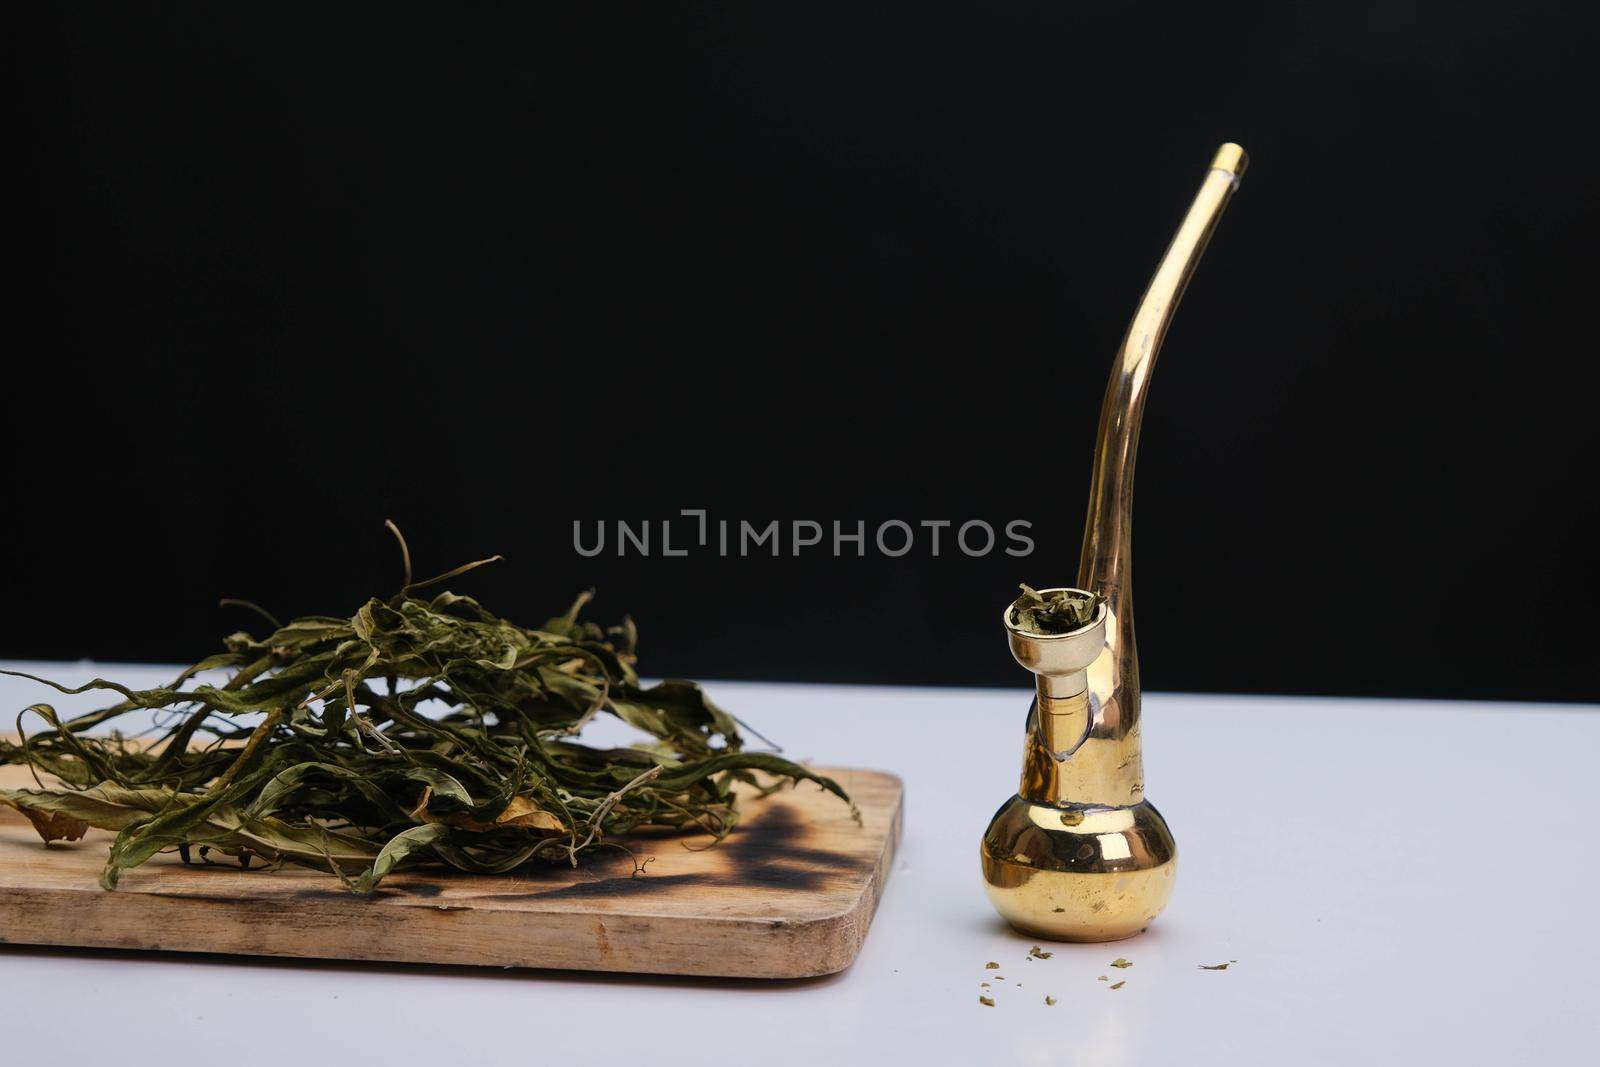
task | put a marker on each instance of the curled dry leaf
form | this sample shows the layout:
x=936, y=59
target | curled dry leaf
x=524, y=814
x=54, y=826
x=520, y=814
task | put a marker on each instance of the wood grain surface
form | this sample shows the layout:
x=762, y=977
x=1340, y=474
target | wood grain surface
x=789, y=895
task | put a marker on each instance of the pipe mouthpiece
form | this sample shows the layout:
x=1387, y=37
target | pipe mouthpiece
x=1231, y=160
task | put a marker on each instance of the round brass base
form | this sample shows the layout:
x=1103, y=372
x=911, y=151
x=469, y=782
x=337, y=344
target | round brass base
x=1078, y=874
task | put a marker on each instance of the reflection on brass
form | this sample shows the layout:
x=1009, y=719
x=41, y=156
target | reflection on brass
x=1079, y=854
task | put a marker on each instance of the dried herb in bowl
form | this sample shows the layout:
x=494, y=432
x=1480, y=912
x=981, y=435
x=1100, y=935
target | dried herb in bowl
x=1057, y=611
x=419, y=730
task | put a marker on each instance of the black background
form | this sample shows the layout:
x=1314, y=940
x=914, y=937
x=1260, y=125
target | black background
x=492, y=269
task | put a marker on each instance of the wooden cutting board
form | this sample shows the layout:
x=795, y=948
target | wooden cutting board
x=790, y=894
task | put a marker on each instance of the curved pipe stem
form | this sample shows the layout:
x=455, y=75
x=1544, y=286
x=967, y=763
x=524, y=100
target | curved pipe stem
x=1107, y=541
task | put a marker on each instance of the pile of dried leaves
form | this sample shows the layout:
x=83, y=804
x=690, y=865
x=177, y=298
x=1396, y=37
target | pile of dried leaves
x=416, y=731
x=1057, y=611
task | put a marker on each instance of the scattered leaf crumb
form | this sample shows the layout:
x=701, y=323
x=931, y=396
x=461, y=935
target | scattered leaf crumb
x=1102, y=978
x=987, y=1002
x=1039, y=954
x=1058, y=910
x=1050, y=1000
x=1118, y=985
x=1215, y=966
x=984, y=985
x=1121, y=963
x=992, y=965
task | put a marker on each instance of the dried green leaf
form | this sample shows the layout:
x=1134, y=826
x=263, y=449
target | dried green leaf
x=416, y=842
x=106, y=806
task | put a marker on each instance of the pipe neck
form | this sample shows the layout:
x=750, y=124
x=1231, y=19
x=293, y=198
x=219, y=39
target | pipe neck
x=1106, y=562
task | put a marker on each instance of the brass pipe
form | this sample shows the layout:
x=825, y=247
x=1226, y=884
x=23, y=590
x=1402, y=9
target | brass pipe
x=1079, y=854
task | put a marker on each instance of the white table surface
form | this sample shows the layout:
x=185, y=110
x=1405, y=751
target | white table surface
x=1399, y=881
